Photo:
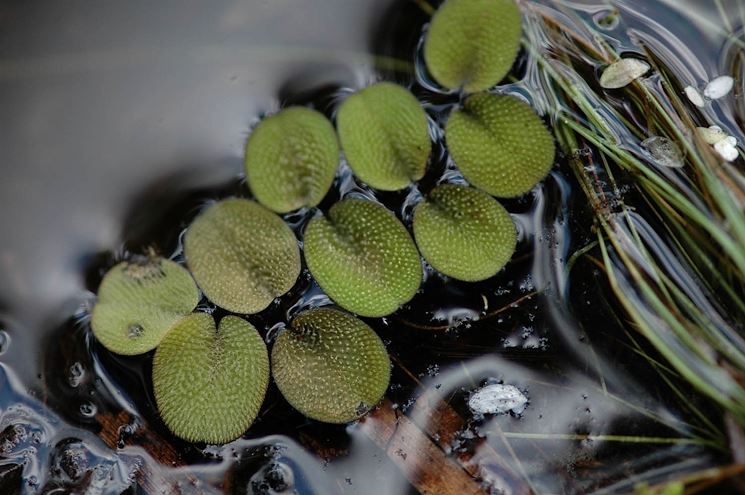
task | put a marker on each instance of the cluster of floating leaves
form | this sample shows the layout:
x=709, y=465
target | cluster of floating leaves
x=210, y=379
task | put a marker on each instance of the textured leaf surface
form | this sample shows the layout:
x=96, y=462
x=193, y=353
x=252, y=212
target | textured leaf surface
x=499, y=144
x=383, y=131
x=472, y=43
x=291, y=159
x=464, y=233
x=242, y=255
x=330, y=366
x=139, y=301
x=209, y=384
x=363, y=258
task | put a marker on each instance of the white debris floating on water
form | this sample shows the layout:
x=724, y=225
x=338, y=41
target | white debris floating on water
x=694, y=96
x=664, y=151
x=724, y=145
x=715, y=89
x=497, y=399
x=719, y=87
x=623, y=72
x=712, y=135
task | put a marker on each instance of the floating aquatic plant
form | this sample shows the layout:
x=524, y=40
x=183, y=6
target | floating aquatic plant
x=464, y=233
x=291, y=159
x=139, y=301
x=499, y=144
x=383, y=131
x=242, y=255
x=472, y=44
x=210, y=383
x=330, y=366
x=363, y=258
x=623, y=72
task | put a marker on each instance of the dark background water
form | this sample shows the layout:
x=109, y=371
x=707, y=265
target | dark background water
x=118, y=121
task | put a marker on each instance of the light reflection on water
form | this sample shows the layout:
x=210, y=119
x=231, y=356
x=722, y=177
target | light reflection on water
x=108, y=111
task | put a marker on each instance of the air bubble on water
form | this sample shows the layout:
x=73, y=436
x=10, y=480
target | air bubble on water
x=76, y=374
x=88, y=410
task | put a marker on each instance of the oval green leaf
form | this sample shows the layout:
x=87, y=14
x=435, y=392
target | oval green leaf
x=464, y=233
x=242, y=255
x=363, y=258
x=209, y=384
x=291, y=159
x=139, y=301
x=330, y=366
x=384, y=134
x=472, y=44
x=499, y=144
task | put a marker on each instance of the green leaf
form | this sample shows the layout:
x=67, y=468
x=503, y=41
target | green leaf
x=499, y=144
x=464, y=233
x=242, y=255
x=472, y=44
x=384, y=134
x=363, y=258
x=138, y=302
x=330, y=366
x=291, y=159
x=209, y=384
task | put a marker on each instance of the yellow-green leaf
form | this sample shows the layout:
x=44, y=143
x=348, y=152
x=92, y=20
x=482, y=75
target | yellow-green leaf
x=330, y=366
x=209, y=384
x=464, y=233
x=242, y=255
x=291, y=159
x=383, y=131
x=472, y=44
x=363, y=258
x=499, y=144
x=138, y=302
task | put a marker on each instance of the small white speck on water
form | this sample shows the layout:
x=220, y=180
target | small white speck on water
x=621, y=73
x=694, y=96
x=719, y=87
x=497, y=399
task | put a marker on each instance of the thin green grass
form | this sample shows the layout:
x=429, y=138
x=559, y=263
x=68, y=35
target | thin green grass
x=684, y=315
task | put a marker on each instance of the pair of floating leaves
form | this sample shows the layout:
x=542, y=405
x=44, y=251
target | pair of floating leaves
x=363, y=258
x=499, y=144
x=291, y=159
x=383, y=131
x=330, y=366
x=139, y=301
x=210, y=383
x=472, y=44
x=242, y=255
x=464, y=233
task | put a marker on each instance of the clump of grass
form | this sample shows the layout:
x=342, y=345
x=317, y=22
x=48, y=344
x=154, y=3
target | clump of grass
x=673, y=248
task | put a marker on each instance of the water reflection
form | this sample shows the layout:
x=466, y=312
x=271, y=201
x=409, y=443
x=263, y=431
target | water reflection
x=119, y=125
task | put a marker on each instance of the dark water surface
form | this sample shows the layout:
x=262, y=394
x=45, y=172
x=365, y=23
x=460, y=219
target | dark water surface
x=120, y=121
